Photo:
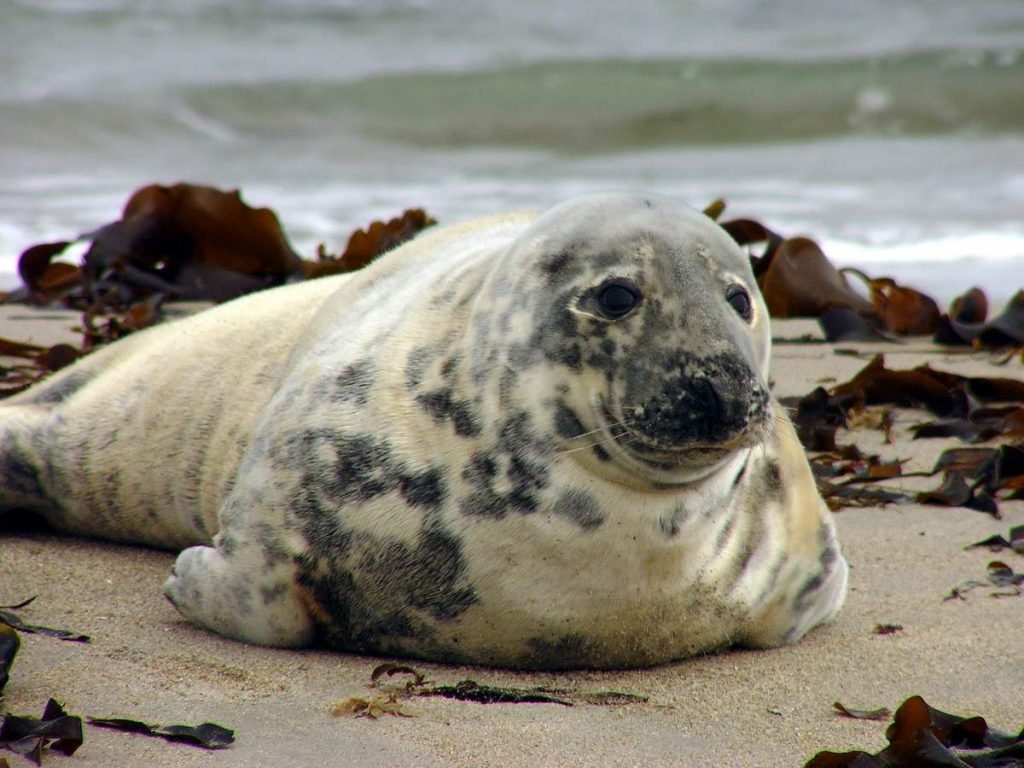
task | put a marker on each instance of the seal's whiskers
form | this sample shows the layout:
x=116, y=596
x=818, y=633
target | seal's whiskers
x=603, y=440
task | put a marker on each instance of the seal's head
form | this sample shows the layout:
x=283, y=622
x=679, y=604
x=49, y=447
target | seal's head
x=640, y=322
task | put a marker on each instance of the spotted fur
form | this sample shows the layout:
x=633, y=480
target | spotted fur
x=457, y=454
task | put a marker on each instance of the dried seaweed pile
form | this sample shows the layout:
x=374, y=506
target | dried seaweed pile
x=973, y=409
x=798, y=280
x=183, y=242
x=392, y=699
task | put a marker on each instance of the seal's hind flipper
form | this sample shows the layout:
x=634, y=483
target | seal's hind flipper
x=22, y=469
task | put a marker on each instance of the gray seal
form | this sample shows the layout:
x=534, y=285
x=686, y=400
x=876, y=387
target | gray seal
x=525, y=441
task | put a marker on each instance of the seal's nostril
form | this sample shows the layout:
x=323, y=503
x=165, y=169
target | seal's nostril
x=715, y=397
x=711, y=397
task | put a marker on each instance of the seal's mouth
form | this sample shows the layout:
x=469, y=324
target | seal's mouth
x=671, y=457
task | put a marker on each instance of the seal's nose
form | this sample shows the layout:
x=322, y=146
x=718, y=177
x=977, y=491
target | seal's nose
x=723, y=405
x=710, y=401
x=709, y=393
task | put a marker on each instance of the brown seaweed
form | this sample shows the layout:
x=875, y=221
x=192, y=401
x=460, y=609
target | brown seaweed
x=11, y=619
x=921, y=736
x=887, y=629
x=468, y=690
x=800, y=281
x=903, y=310
x=176, y=242
x=373, y=708
x=186, y=240
x=998, y=542
x=193, y=242
x=973, y=478
x=842, y=324
x=365, y=245
x=41, y=361
x=30, y=736
x=965, y=323
x=10, y=642
x=205, y=735
x=880, y=713
x=998, y=575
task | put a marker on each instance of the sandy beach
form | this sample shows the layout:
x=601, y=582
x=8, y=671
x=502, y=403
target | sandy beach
x=741, y=708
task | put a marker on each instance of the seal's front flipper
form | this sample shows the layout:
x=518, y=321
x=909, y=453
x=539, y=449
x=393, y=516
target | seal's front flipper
x=242, y=595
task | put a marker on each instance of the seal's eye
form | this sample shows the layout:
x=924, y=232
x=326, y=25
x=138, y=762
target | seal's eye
x=739, y=300
x=617, y=298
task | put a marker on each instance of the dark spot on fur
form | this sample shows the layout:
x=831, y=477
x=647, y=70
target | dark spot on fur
x=555, y=336
x=354, y=383
x=425, y=488
x=771, y=581
x=362, y=469
x=558, y=265
x=369, y=592
x=442, y=405
x=567, y=423
x=378, y=593
x=61, y=388
x=602, y=362
x=670, y=523
x=268, y=535
x=419, y=360
x=569, y=356
x=527, y=468
x=20, y=474
x=435, y=568
x=227, y=543
x=743, y=472
x=340, y=469
x=607, y=260
x=416, y=365
x=521, y=455
x=812, y=585
x=571, y=651
x=725, y=534
x=506, y=385
x=481, y=469
x=450, y=367
x=753, y=538
x=827, y=559
x=484, y=502
x=602, y=454
x=337, y=468
x=522, y=356
x=579, y=507
x=273, y=594
x=447, y=297
x=743, y=559
x=828, y=555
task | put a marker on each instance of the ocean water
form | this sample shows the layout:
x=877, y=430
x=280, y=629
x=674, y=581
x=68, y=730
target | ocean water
x=891, y=132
